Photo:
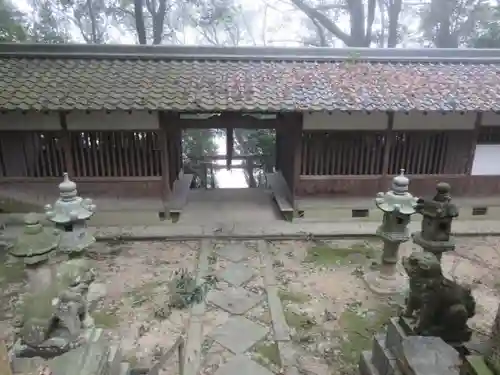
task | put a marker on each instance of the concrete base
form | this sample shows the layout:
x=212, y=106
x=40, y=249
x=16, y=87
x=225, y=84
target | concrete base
x=380, y=283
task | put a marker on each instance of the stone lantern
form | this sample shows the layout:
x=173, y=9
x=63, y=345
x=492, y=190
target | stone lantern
x=70, y=214
x=438, y=214
x=34, y=247
x=397, y=205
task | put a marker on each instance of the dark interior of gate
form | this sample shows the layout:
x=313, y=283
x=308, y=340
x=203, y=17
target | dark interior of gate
x=203, y=145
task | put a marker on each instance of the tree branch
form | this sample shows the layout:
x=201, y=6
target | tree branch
x=314, y=14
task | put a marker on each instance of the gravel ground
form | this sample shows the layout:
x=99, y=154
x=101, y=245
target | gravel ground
x=331, y=312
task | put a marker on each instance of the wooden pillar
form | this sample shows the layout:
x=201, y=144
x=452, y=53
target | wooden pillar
x=165, y=157
x=229, y=146
x=291, y=150
x=279, y=147
x=66, y=144
x=473, y=144
x=389, y=136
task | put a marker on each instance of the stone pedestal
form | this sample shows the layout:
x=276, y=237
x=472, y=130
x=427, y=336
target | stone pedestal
x=396, y=353
x=70, y=214
x=35, y=246
x=398, y=205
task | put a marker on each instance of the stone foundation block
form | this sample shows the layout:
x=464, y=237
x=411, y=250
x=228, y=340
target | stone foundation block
x=382, y=358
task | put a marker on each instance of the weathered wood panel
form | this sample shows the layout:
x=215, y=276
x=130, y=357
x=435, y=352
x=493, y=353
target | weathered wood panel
x=342, y=153
x=116, y=153
x=346, y=153
x=31, y=154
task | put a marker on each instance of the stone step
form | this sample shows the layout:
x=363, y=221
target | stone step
x=366, y=366
x=382, y=358
x=395, y=335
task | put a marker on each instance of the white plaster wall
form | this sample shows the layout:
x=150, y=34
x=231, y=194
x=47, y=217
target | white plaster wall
x=344, y=121
x=433, y=120
x=490, y=119
x=17, y=120
x=114, y=120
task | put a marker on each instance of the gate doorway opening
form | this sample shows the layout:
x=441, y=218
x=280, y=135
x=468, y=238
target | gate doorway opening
x=228, y=158
x=235, y=165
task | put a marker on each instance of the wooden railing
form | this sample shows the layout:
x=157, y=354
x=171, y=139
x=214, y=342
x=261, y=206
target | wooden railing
x=83, y=154
x=338, y=153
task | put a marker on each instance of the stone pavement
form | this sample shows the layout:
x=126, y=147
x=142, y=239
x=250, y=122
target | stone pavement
x=280, y=230
x=249, y=313
x=275, y=230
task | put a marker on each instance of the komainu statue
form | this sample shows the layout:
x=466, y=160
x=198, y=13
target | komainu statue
x=436, y=305
x=52, y=322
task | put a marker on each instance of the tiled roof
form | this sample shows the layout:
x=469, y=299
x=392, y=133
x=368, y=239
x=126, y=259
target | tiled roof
x=65, y=82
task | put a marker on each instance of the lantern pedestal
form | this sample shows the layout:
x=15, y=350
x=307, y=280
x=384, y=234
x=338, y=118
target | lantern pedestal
x=398, y=205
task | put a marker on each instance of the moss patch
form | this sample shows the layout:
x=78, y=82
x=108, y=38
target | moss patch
x=12, y=206
x=132, y=359
x=298, y=321
x=357, y=328
x=269, y=352
x=105, y=319
x=325, y=255
x=10, y=273
x=294, y=297
x=143, y=293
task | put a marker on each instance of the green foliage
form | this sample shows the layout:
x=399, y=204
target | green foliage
x=488, y=34
x=184, y=291
x=12, y=23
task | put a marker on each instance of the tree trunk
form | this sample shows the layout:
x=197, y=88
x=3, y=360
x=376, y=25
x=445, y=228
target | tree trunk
x=139, y=21
x=159, y=22
x=93, y=23
x=394, y=10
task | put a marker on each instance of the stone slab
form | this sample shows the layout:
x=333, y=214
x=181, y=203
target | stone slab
x=383, y=360
x=4, y=360
x=235, y=252
x=124, y=369
x=236, y=274
x=394, y=336
x=280, y=326
x=234, y=300
x=238, y=334
x=242, y=365
x=191, y=360
x=429, y=356
x=365, y=364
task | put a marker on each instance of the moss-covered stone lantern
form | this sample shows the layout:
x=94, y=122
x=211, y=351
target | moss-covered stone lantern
x=438, y=214
x=397, y=205
x=34, y=247
x=70, y=214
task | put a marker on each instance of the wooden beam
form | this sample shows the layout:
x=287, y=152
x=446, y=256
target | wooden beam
x=294, y=142
x=221, y=121
x=165, y=157
x=66, y=144
x=229, y=146
x=473, y=144
x=389, y=134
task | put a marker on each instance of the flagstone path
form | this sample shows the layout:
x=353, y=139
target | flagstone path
x=246, y=297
